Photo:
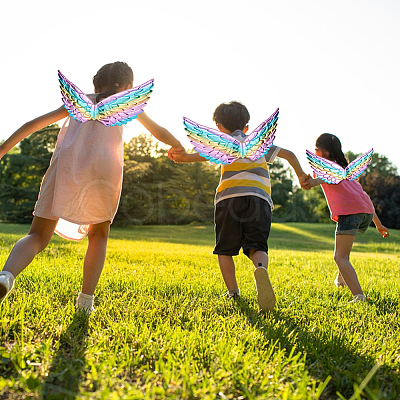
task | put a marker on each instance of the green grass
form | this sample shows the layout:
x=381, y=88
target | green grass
x=162, y=332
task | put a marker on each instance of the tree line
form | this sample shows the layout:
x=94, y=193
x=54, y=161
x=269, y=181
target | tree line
x=157, y=191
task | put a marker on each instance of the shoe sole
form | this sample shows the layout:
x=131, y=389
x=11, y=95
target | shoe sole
x=265, y=293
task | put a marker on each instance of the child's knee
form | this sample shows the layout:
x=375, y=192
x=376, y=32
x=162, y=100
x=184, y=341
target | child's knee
x=40, y=240
x=99, y=231
x=338, y=258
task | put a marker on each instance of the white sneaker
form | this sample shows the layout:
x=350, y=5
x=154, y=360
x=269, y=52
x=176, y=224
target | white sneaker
x=6, y=284
x=265, y=292
x=339, y=281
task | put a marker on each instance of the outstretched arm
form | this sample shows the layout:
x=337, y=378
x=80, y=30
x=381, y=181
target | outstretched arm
x=187, y=157
x=160, y=133
x=291, y=158
x=381, y=229
x=31, y=127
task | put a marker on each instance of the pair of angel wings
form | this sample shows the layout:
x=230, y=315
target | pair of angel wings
x=331, y=172
x=117, y=109
x=221, y=148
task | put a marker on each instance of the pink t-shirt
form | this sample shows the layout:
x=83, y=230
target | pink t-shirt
x=347, y=197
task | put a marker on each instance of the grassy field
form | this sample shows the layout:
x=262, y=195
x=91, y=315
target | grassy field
x=162, y=331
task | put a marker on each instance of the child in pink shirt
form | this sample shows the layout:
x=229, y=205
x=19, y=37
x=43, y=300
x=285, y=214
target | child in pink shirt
x=351, y=209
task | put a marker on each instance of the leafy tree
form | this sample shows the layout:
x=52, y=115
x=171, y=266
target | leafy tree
x=143, y=148
x=193, y=189
x=292, y=203
x=281, y=190
x=21, y=172
x=157, y=191
x=379, y=164
x=384, y=192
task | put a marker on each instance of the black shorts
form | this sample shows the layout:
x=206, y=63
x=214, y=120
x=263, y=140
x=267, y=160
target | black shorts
x=242, y=222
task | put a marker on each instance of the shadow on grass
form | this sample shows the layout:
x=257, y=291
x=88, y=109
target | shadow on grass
x=327, y=355
x=66, y=371
x=284, y=236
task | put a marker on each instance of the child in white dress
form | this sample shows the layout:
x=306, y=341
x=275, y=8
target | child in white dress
x=80, y=191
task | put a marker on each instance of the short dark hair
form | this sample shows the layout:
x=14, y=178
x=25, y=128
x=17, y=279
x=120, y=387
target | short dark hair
x=232, y=116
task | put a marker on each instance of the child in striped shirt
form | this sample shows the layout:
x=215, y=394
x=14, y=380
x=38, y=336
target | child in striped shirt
x=243, y=205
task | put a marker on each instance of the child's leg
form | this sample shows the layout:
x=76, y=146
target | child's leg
x=24, y=251
x=258, y=256
x=227, y=266
x=265, y=293
x=343, y=245
x=93, y=264
x=95, y=256
x=33, y=243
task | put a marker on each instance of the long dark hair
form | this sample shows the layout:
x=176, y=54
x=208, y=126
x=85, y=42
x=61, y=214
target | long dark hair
x=332, y=145
x=112, y=76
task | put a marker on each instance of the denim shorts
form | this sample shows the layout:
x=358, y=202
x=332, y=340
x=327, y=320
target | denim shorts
x=353, y=223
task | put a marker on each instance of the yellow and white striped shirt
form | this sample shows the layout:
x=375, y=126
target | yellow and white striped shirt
x=245, y=177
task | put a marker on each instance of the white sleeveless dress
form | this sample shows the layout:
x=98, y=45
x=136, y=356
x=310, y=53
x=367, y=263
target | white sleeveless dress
x=83, y=183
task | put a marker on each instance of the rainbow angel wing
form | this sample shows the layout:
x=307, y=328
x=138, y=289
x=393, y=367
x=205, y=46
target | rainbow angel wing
x=117, y=109
x=221, y=148
x=333, y=173
x=216, y=146
x=260, y=140
x=359, y=165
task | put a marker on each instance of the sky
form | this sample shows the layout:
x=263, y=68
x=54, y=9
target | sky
x=330, y=66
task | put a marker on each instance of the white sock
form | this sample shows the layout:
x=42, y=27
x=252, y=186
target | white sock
x=85, y=302
x=10, y=276
x=8, y=273
x=232, y=292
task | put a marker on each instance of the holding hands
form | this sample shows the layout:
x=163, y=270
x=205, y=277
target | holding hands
x=307, y=182
x=175, y=152
x=179, y=155
x=304, y=181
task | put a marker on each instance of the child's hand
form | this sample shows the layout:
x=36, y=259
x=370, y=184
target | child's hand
x=305, y=181
x=175, y=150
x=383, y=230
x=312, y=182
x=180, y=157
